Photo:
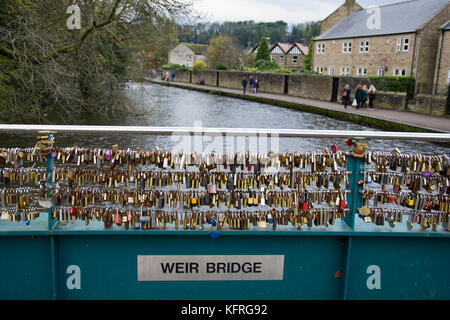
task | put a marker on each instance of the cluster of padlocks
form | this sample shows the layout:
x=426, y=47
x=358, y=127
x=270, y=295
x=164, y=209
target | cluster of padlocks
x=136, y=189
x=406, y=186
x=154, y=190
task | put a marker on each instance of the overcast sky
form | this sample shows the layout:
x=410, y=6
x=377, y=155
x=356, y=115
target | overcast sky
x=290, y=11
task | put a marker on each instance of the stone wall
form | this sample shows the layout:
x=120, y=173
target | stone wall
x=206, y=77
x=268, y=82
x=431, y=105
x=311, y=86
x=315, y=87
x=391, y=100
x=182, y=76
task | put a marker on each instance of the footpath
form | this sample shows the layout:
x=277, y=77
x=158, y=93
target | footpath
x=378, y=118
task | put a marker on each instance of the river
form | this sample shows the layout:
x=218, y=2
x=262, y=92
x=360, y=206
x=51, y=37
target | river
x=167, y=106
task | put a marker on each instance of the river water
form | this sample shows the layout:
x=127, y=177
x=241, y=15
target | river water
x=162, y=106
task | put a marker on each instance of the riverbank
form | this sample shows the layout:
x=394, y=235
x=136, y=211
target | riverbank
x=388, y=120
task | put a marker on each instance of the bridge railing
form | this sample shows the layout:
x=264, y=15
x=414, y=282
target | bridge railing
x=368, y=196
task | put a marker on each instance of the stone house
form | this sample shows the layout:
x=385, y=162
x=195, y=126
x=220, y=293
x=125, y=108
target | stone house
x=287, y=55
x=442, y=73
x=401, y=39
x=186, y=54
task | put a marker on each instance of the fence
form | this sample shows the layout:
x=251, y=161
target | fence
x=300, y=253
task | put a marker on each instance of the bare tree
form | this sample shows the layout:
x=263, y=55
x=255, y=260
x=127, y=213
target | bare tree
x=51, y=69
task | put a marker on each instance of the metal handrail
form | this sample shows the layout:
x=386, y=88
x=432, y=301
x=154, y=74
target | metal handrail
x=282, y=133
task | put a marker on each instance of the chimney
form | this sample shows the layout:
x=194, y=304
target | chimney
x=268, y=40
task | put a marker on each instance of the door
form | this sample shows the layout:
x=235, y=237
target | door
x=334, y=94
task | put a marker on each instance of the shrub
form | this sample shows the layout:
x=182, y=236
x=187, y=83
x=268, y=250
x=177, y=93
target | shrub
x=199, y=65
x=221, y=66
x=268, y=66
x=396, y=84
x=174, y=67
x=259, y=63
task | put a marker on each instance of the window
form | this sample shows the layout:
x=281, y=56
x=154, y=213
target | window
x=331, y=71
x=189, y=57
x=399, y=72
x=362, y=72
x=294, y=59
x=380, y=72
x=402, y=44
x=281, y=58
x=448, y=76
x=321, y=48
x=399, y=44
x=347, y=47
x=271, y=58
x=319, y=69
x=364, y=46
x=345, y=71
x=406, y=44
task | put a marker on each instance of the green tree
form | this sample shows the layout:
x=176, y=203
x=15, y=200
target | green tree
x=222, y=49
x=263, y=50
x=308, y=58
x=200, y=65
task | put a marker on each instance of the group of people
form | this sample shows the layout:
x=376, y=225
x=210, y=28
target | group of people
x=253, y=84
x=165, y=76
x=362, y=96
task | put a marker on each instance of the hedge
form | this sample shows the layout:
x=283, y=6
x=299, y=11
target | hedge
x=396, y=84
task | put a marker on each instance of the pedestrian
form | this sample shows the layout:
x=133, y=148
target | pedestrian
x=172, y=76
x=244, y=84
x=346, y=95
x=366, y=95
x=372, y=95
x=256, y=85
x=251, y=82
x=359, y=96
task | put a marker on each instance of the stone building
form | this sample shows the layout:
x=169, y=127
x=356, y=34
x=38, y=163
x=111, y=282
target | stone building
x=401, y=39
x=186, y=54
x=442, y=73
x=339, y=14
x=287, y=55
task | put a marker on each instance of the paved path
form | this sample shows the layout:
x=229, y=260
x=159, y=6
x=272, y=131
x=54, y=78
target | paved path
x=441, y=124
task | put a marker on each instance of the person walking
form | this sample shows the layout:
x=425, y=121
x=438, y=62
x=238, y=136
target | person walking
x=251, y=82
x=372, y=93
x=256, y=85
x=359, y=96
x=172, y=76
x=366, y=95
x=244, y=84
x=346, y=95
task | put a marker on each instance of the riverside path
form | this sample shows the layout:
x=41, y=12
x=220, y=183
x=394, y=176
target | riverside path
x=421, y=121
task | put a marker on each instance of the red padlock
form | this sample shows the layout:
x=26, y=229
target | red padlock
x=343, y=205
x=305, y=206
x=73, y=211
x=391, y=200
x=349, y=142
x=249, y=167
x=333, y=148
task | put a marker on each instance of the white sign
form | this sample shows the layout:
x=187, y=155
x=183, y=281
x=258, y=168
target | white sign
x=210, y=268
